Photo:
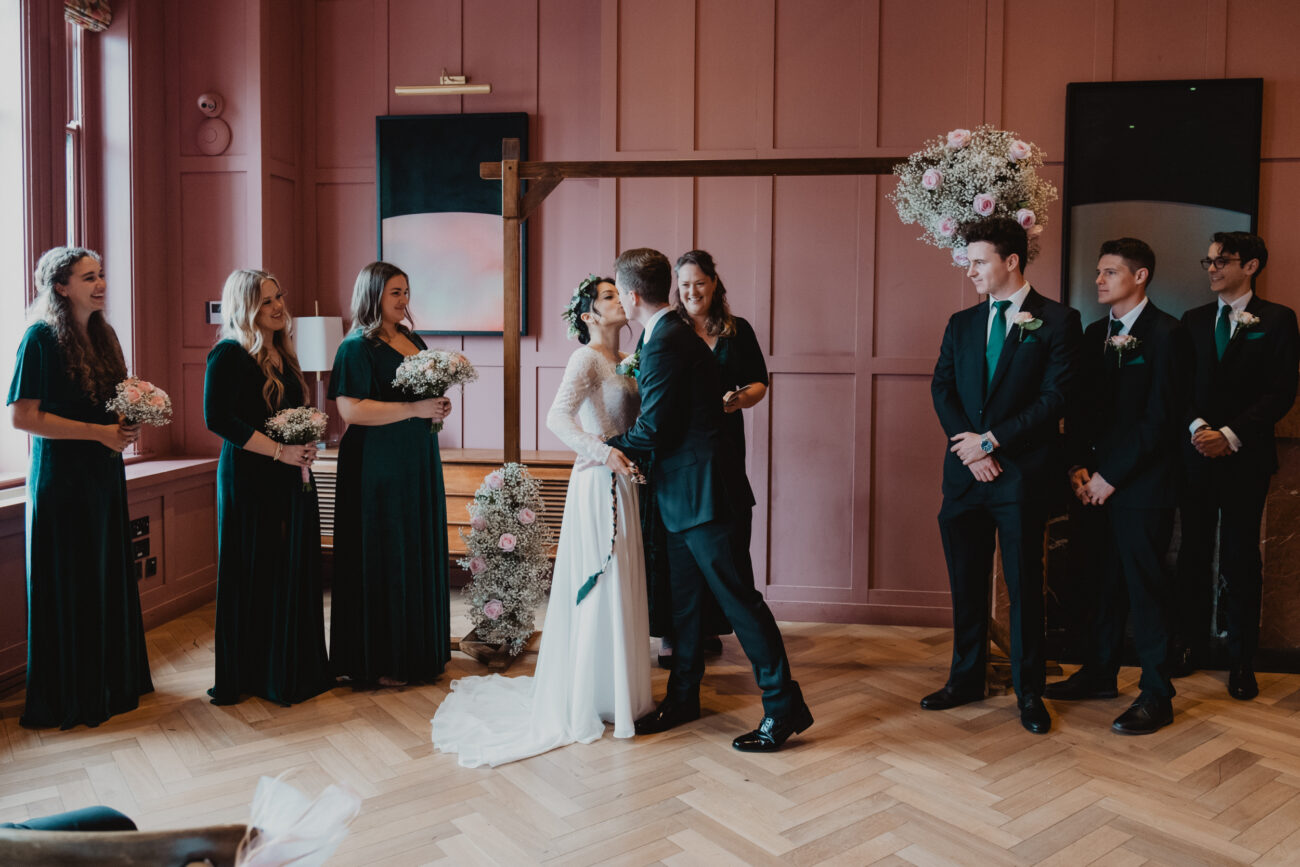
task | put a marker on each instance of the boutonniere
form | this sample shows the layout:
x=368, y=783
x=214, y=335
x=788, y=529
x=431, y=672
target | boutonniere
x=1027, y=322
x=1243, y=321
x=629, y=366
x=1122, y=343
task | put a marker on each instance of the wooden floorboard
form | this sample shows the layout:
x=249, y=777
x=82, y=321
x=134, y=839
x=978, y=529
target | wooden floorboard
x=876, y=780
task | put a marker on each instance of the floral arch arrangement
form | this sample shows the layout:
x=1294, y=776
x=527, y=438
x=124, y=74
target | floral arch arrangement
x=970, y=174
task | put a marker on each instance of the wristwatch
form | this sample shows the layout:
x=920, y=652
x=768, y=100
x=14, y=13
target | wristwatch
x=986, y=444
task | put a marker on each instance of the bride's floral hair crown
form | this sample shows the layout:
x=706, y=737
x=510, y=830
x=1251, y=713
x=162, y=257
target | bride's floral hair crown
x=579, y=303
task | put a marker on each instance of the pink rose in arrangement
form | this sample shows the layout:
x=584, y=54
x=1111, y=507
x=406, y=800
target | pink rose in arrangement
x=958, y=138
x=133, y=394
x=932, y=179
x=492, y=609
x=1018, y=150
x=478, y=523
x=959, y=256
x=495, y=481
x=507, y=542
x=526, y=516
x=947, y=227
x=984, y=204
x=1026, y=217
x=477, y=566
x=157, y=399
x=1024, y=317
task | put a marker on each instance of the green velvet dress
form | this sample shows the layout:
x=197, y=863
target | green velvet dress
x=270, y=633
x=86, y=658
x=390, y=607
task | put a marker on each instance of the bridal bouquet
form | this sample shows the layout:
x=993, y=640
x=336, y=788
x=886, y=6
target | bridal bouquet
x=507, y=544
x=431, y=372
x=141, y=402
x=299, y=426
x=969, y=174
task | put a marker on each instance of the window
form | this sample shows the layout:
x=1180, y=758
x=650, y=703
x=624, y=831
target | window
x=13, y=276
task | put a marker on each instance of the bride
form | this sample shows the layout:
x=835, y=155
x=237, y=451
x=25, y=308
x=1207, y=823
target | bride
x=594, y=663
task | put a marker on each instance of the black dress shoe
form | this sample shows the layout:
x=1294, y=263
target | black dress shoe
x=1241, y=682
x=666, y=716
x=772, y=732
x=1182, y=659
x=1080, y=686
x=1147, y=715
x=1034, y=716
x=949, y=697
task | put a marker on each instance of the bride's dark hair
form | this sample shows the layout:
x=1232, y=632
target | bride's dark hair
x=580, y=302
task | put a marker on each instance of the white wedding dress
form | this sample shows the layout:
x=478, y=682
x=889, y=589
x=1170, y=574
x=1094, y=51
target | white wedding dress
x=593, y=666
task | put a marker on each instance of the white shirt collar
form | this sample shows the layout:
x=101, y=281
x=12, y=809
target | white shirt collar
x=1017, y=300
x=650, y=326
x=1238, y=305
x=1130, y=317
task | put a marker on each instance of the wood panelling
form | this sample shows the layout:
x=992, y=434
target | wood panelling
x=812, y=492
x=281, y=72
x=198, y=440
x=733, y=223
x=814, y=265
x=436, y=26
x=548, y=385
x=731, y=69
x=1279, y=192
x=479, y=422
x=513, y=74
x=1157, y=39
x=280, y=241
x=214, y=55
x=350, y=81
x=345, y=241
x=1258, y=45
x=656, y=57
x=568, y=85
x=907, y=453
x=212, y=245
x=820, y=101
x=926, y=69
x=654, y=212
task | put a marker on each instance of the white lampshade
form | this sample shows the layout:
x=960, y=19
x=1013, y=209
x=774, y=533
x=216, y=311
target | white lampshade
x=317, y=338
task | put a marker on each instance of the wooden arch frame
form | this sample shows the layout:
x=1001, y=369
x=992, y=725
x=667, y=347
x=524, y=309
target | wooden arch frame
x=546, y=176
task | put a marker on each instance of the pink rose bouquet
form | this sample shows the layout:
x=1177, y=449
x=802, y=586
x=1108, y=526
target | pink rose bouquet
x=959, y=138
x=984, y=205
x=141, y=402
x=300, y=426
x=431, y=373
x=493, y=609
x=1026, y=217
x=932, y=179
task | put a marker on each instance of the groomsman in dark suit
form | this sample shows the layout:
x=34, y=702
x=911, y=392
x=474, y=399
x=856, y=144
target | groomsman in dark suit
x=1124, y=433
x=1000, y=387
x=704, y=499
x=1245, y=381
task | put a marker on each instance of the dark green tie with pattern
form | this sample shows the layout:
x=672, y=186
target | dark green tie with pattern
x=1222, y=330
x=997, y=337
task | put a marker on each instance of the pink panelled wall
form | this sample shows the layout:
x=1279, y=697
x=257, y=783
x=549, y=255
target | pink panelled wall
x=845, y=454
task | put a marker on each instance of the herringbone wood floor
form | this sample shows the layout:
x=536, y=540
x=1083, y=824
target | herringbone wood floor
x=875, y=781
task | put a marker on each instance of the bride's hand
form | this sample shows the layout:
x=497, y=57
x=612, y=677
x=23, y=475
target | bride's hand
x=618, y=462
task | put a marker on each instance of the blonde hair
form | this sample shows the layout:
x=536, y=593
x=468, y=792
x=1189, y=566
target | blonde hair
x=94, y=356
x=241, y=299
x=367, y=297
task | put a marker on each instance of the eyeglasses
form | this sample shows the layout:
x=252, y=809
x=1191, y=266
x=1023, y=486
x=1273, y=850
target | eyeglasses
x=1219, y=262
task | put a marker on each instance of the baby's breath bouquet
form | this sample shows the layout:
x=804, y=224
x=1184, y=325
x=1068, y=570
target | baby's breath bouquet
x=507, y=562
x=970, y=174
x=141, y=402
x=431, y=372
x=299, y=426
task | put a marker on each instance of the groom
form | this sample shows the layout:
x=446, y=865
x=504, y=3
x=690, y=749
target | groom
x=701, y=485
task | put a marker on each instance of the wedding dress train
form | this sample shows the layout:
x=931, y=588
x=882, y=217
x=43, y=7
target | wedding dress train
x=593, y=666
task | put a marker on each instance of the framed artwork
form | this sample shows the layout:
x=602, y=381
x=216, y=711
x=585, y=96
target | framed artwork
x=440, y=222
x=1169, y=162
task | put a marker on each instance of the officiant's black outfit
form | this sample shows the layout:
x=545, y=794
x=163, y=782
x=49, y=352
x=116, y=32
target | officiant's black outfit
x=1128, y=425
x=1020, y=398
x=704, y=499
x=1246, y=385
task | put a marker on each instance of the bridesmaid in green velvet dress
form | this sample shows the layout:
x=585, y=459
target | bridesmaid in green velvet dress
x=270, y=633
x=389, y=615
x=86, y=658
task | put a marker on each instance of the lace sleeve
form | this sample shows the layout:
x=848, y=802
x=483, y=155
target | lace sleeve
x=581, y=381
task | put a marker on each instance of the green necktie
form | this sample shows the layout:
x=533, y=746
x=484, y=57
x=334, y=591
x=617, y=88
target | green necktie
x=1116, y=326
x=1222, y=330
x=997, y=337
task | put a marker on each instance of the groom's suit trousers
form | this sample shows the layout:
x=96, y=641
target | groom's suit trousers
x=718, y=551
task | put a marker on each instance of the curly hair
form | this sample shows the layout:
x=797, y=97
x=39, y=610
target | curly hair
x=93, y=356
x=241, y=298
x=718, y=322
x=579, y=303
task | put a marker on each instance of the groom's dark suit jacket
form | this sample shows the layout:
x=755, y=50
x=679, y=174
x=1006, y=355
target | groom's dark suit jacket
x=1023, y=405
x=1252, y=386
x=696, y=477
